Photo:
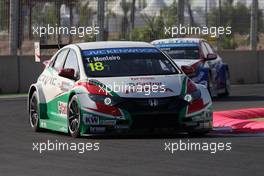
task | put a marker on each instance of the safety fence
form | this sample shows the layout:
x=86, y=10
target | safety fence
x=141, y=20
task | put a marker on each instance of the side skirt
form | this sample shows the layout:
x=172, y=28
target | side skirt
x=52, y=125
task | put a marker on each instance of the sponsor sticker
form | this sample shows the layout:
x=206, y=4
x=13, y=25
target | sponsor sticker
x=108, y=122
x=121, y=127
x=65, y=86
x=173, y=45
x=48, y=80
x=97, y=129
x=62, y=108
x=97, y=52
x=43, y=124
x=91, y=119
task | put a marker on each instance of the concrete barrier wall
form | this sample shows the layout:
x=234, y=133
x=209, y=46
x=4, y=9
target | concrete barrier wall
x=29, y=72
x=18, y=73
x=245, y=66
x=8, y=74
x=261, y=67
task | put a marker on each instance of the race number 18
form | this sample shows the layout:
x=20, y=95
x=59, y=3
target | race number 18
x=97, y=66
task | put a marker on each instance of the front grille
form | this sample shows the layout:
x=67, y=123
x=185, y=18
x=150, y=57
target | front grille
x=143, y=105
x=155, y=121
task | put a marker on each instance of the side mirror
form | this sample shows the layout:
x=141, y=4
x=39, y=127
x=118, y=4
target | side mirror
x=67, y=73
x=211, y=56
x=188, y=70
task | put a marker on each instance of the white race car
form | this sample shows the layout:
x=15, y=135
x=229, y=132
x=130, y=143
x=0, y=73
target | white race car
x=199, y=61
x=116, y=86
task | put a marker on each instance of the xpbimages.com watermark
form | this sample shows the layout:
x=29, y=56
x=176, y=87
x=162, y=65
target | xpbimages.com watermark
x=213, y=31
x=80, y=147
x=189, y=146
x=79, y=31
x=139, y=87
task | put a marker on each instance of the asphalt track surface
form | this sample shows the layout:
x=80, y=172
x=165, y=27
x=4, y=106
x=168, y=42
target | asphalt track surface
x=130, y=154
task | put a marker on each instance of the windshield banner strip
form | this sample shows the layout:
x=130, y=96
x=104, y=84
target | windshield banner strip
x=107, y=51
x=176, y=45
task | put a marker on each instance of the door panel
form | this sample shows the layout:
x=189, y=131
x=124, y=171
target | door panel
x=52, y=82
x=64, y=87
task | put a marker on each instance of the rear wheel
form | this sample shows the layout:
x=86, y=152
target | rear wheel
x=34, y=112
x=74, y=117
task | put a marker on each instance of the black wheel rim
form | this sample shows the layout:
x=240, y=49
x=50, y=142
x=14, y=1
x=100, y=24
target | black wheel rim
x=73, y=118
x=33, y=111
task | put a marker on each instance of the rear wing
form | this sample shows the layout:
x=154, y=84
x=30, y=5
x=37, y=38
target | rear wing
x=38, y=47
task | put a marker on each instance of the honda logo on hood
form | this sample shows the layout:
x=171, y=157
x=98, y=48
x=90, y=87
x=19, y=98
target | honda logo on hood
x=153, y=102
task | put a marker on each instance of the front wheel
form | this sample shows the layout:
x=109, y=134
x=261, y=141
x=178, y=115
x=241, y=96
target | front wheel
x=34, y=112
x=74, y=117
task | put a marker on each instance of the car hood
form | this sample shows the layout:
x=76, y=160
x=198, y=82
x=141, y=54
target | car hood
x=186, y=62
x=141, y=86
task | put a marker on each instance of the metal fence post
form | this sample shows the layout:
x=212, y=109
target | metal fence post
x=254, y=25
x=181, y=11
x=14, y=21
x=100, y=19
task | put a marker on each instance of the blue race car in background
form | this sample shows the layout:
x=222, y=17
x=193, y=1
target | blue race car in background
x=199, y=61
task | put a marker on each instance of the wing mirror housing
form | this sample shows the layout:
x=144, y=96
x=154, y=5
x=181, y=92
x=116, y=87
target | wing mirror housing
x=211, y=56
x=67, y=73
x=188, y=70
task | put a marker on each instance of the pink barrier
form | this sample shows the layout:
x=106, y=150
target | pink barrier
x=240, y=120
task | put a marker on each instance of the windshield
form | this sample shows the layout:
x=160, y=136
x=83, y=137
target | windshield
x=126, y=62
x=183, y=52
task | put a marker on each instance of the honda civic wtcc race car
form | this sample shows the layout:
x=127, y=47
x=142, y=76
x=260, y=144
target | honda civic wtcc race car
x=101, y=87
x=199, y=61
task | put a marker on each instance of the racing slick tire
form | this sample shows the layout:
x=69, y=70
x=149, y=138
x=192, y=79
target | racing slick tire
x=74, y=117
x=34, y=112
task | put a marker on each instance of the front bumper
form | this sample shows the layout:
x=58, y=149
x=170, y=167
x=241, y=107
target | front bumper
x=137, y=114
